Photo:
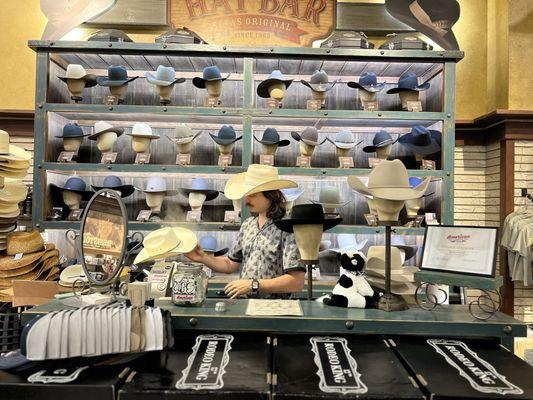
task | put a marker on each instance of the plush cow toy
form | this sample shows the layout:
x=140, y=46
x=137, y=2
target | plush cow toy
x=352, y=290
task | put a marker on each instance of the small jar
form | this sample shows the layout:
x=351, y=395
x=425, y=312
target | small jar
x=189, y=284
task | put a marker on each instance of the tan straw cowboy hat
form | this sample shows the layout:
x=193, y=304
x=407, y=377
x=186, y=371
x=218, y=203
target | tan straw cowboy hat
x=166, y=242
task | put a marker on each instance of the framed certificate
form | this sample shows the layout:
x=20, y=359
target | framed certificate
x=460, y=249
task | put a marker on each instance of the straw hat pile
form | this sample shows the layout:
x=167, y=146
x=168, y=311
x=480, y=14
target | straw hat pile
x=14, y=165
x=28, y=258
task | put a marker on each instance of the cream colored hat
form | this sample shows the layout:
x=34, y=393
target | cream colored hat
x=258, y=178
x=14, y=191
x=389, y=180
x=166, y=242
x=376, y=258
x=9, y=152
x=72, y=273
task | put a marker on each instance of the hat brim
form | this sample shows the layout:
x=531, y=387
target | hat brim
x=399, y=9
x=319, y=87
x=431, y=148
x=85, y=194
x=350, y=249
x=369, y=88
x=143, y=136
x=262, y=88
x=125, y=190
x=168, y=192
x=104, y=81
x=209, y=194
x=419, y=88
x=220, y=252
x=293, y=197
x=90, y=79
x=16, y=154
x=118, y=131
x=392, y=193
x=287, y=225
x=188, y=242
x=296, y=136
x=330, y=205
x=372, y=149
x=154, y=81
x=409, y=251
x=342, y=145
x=10, y=214
x=200, y=82
x=236, y=188
x=73, y=137
x=185, y=140
x=405, y=274
x=17, y=173
x=280, y=143
x=224, y=141
x=13, y=192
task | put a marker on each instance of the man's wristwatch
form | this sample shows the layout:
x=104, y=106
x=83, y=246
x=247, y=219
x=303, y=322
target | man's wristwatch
x=255, y=287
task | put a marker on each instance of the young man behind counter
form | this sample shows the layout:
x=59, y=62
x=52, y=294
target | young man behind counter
x=268, y=258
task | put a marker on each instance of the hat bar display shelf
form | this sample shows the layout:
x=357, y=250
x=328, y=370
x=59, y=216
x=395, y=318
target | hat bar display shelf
x=240, y=107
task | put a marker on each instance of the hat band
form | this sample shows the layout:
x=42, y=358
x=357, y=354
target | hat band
x=422, y=16
x=389, y=187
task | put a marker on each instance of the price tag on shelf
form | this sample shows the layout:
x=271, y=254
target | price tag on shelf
x=183, y=159
x=414, y=106
x=315, y=105
x=303, y=161
x=372, y=162
x=266, y=159
x=142, y=158
x=371, y=219
x=66, y=156
x=428, y=165
x=225, y=160
x=346, y=162
x=194, y=216
x=111, y=100
x=109, y=158
x=370, y=105
x=232, y=217
x=211, y=101
x=271, y=103
x=144, y=215
x=75, y=215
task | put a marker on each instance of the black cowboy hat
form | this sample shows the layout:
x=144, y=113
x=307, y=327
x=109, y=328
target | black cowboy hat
x=306, y=214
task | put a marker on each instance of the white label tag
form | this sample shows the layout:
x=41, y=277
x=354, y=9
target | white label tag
x=18, y=256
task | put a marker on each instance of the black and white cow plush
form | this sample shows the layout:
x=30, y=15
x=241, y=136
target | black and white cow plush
x=352, y=289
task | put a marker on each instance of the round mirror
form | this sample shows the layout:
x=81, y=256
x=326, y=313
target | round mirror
x=104, y=227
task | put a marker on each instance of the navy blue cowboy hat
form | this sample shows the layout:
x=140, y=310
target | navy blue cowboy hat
x=226, y=135
x=200, y=185
x=72, y=131
x=432, y=18
x=274, y=77
x=420, y=140
x=116, y=76
x=115, y=183
x=409, y=81
x=76, y=185
x=367, y=81
x=381, y=139
x=209, y=74
x=307, y=214
x=271, y=136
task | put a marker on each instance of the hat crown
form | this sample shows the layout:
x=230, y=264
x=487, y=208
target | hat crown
x=368, y=79
x=414, y=181
x=409, y=80
x=310, y=133
x=437, y=12
x=329, y=195
x=161, y=241
x=166, y=74
x=420, y=136
x=199, y=184
x=319, y=77
x=182, y=130
x=141, y=129
x=346, y=240
x=117, y=73
x=101, y=126
x=276, y=74
x=72, y=130
x=74, y=183
x=271, y=135
x=211, y=73
x=112, y=181
x=258, y=174
x=307, y=211
x=292, y=194
x=398, y=240
x=208, y=243
x=227, y=132
x=381, y=137
x=156, y=184
x=388, y=174
x=75, y=71
x=344, y=136
x=4, y=142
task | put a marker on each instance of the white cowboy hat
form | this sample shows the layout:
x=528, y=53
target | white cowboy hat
x=143, y=131
x=9, y=152
x=258, y=178
x=348, y=243
x=76, y=71
x=14, y=191
x=166, y=242
x=389, y=180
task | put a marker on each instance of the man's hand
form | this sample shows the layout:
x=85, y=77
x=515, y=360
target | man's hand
x=197, y=254
x=240, y=287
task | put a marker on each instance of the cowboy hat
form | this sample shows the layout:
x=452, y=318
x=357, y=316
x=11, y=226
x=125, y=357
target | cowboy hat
x=409, y=81
x=166, y=242
x=116, y=76
x=271, y=136
x=109, y=35
x=102, y=127
x=76, y=71
x=367, y=81
x=156, y=184
x=200, y=185
x=292, y=194
x=257, y=178
x=24, y=242
x=72, y=131
x=14, y=191
x=164, y=76
x=420, y=141
x=309, y=136
x=143, y=131
x=275, y=77
x=76, y=185
x=344, y=139
x=71, y=274
x=13, y=262
x=376, y=258
x=115, y=183
x=9, y=152
x=10, y=212
x=209, y=244
x=381, y=139
x=184, y=135
x=319, y=82
x=226, y=135
x=329, y=197
x=209, y=74
x=307, y=214
x=348, y=243
x=433, y=19
x=415, y=181
x=15, y=173
x=388, y=180
x=399, y=242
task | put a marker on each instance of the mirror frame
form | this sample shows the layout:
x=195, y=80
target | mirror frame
x=108, y=282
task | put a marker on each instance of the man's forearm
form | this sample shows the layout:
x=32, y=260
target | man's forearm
x=220, y=264
x=287, y=283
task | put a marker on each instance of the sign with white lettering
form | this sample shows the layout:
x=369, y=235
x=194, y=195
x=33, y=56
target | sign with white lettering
x=481, y=375
x=256, y=22
x=337, y=369
x=207, y=363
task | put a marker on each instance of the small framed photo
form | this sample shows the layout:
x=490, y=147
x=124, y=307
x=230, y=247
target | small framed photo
x=469, y=250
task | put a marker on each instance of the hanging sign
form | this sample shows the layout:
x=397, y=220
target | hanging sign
x=256, y=22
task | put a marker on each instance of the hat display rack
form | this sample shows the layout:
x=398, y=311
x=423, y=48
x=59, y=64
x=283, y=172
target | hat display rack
x=249, y=114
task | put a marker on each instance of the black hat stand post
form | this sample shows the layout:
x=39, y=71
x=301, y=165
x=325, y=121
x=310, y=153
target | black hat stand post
x=390, y=301
x=309, y=265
